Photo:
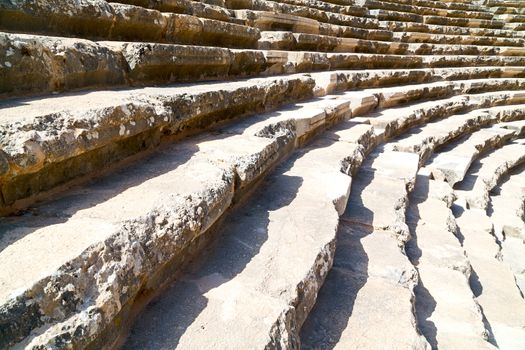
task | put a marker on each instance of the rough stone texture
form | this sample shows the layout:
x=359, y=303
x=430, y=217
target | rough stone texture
x=213, y=168
x=262, y=279
x=440, y=132
x=496, y=280
x=454, y=161
x=446, y=310
x=97, y=19
x=37, y=136
x=221, y=200
x=486, y=172
x=367, y=299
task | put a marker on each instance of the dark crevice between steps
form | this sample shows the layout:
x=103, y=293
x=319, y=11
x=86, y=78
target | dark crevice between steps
x=424, y=303
x=490, y=334
x=474, y=283
x=329, y=317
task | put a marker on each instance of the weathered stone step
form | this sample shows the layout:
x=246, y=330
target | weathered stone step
x=370, y=288
x=348, y=9
x=507, y=205
x=507, y=10
x=424, y=141
x=495, y=282
x=386, y=97
x=40, y=64
x=511, y=18
x=504, y=3
x=261, y=280
x=420, y=37
x=265, y=20
x=102, y=245
x=348, y=16
x=52, y=140
x=485, y=173
x=391, y=122
x=437, y=78
x=452, y=163
x=90, y=130
x=98, y=19
x=444, y=271
x=188, y=7
x=423, y=10
x=465, y=6
x=517, y=27
x=386, y=15
x=507, y=209
x=398, y=26
x=277, y=40
x=464, y=21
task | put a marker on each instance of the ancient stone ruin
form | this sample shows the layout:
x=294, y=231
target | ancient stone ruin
x=258, y=174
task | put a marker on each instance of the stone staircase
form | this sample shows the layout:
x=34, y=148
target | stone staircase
x=241, y=174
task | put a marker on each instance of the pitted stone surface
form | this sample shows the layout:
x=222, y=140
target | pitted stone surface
x=206, y=213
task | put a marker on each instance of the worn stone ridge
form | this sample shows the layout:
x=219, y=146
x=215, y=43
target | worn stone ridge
x=91, y=130
x=391, y=122
x=435, y=134
x=452, y=163
x=32, y=64
x=261, y=280
x=370, y=288
x=485, y=173
x=277, y=40
x=399, y=26
x=98, y=19
x=507, y=202
x=102, y=127
x=165, y=202
x=425, y=9
x=496, y=279
x=443, y=268
x=330, y=14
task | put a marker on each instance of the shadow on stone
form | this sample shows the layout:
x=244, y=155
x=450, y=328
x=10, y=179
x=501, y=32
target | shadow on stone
x=239, y=240
x=335, y=302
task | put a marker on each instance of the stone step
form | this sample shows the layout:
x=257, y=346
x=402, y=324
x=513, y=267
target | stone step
x=59, y=138
x=423, y=10
x=332, y=15
x=507, y=205
x=98, y=19
x=507, y=10
x=265, y=19
x=420, y=37
x=452, y=163
x=391, y=122
x=99, y=128
x=188, y=7
x=444, y=271
x=370, y=287
x=398, y=26
x=386, y=15
x=495, y=282
x=517, y=27
x=507, y=209
x=122, y=235
x=349, y=9
x=264, y=274
x=278, y=40
x=41, y=64
x=424, y=141
x=509, y=18
x=451, y=5
x=411, y=82
x=485, y=173
x=504, y=3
